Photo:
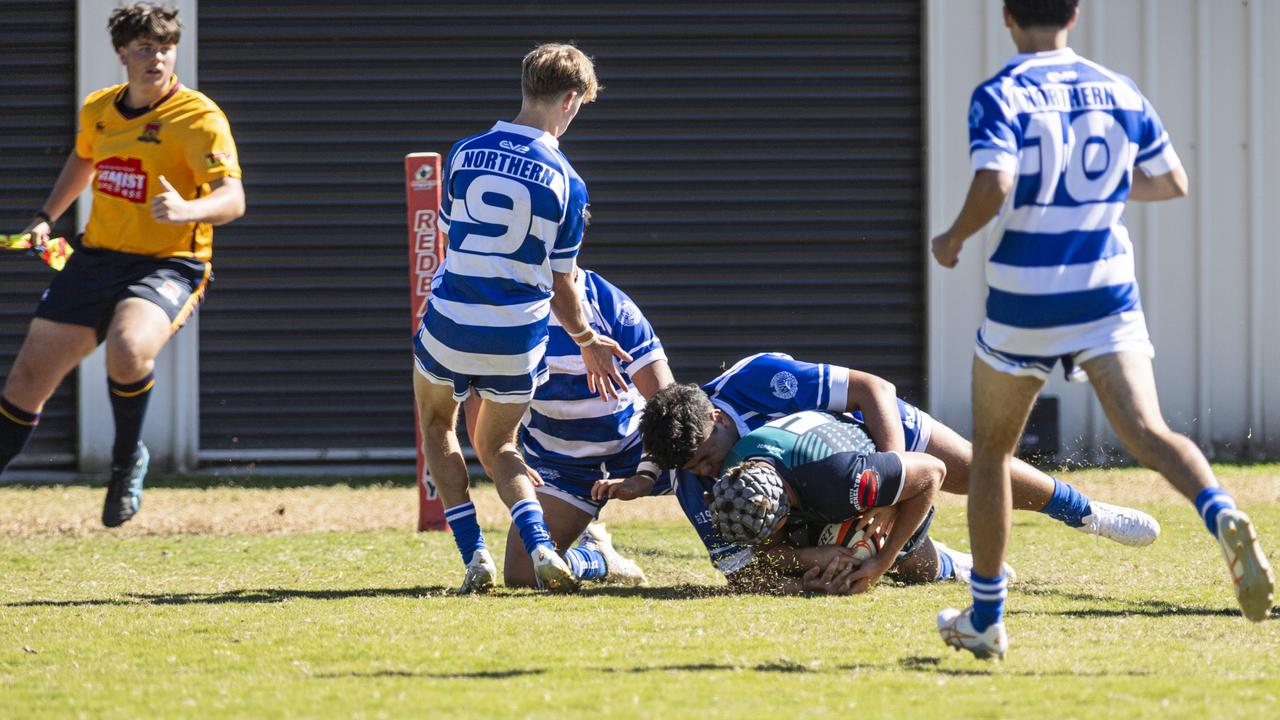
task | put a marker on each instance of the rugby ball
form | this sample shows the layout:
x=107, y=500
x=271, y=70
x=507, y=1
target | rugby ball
x=863, y=545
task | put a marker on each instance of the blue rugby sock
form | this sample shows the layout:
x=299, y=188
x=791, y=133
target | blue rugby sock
x=1068, y=504
x=1210, y=502
x=988, y=599
x=586, y=563
x=466, y=531
x=527, y=515
x=16, y=426
x=946, y=566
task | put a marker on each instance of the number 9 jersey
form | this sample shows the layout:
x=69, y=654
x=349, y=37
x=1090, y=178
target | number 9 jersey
x=513, y=208
x=1059, y=262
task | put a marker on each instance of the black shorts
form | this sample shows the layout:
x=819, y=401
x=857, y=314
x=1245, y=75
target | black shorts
x=94, y=281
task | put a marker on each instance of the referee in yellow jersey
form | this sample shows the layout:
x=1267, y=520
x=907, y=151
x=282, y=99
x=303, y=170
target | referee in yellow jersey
x=163, y=167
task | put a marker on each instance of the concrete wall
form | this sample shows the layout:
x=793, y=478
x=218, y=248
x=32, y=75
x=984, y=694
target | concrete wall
x=1205, y=262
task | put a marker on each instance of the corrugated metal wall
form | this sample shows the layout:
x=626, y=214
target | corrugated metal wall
x=755, y=173
x=37, y=129
x=1205, y=262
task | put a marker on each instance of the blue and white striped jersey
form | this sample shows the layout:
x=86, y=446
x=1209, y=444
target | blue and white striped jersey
x=513, y=209
x=567, y=424
x=767, y=386
x=1060, y=269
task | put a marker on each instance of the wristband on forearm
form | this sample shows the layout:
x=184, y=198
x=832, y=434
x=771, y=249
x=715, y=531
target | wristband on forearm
x=45, y=217
x=648, y=468
x=592, y=340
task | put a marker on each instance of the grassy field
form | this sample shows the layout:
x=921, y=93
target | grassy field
x=318, y=602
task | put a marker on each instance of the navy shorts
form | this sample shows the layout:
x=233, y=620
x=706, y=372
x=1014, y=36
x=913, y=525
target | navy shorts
x=94, y=281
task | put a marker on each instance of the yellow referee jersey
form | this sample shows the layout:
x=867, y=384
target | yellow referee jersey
x=183, y=136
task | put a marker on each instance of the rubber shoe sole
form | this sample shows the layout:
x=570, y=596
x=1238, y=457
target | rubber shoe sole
x=1250, y=572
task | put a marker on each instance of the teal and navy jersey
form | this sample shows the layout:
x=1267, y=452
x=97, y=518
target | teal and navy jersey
x=756, y=390
x=1060, y=269
x=513, y=209
x=828, y=460
x=568, y=425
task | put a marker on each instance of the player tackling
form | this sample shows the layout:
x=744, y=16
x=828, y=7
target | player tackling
x=1055, y=139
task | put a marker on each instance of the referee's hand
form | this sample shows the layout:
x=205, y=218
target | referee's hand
x=169, y=206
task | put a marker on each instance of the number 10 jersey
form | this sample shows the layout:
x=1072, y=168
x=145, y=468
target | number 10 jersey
x=1059, y=262
x=513, y=208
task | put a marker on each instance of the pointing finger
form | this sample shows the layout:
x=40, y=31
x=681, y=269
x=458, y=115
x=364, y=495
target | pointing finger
x=167, y=185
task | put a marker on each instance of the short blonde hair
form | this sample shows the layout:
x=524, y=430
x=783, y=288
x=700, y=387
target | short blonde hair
x=552, y=69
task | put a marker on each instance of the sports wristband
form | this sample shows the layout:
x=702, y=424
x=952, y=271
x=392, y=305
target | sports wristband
x=45, y=217
x=575, y=336
x=589, y=342
x=649, y=469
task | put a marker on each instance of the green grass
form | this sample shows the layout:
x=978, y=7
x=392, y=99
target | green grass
x=358, y=624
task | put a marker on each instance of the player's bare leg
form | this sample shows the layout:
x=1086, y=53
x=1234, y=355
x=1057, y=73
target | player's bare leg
x=497, y=448
x=438, y=420
x=49, y=351
x=1033, y=490
x=1001, y=405
x=139, y=330
x=1126, y=388
x=565, y=523
x=1029, y=488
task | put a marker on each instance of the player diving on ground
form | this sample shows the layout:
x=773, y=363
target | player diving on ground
x=692, y=429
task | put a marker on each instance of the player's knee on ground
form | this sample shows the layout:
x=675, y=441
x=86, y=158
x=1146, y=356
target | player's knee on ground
x=517, y=568
x=919, y=566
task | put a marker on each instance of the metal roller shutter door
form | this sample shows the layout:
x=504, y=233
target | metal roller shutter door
x=755, y=175
x=38, y=108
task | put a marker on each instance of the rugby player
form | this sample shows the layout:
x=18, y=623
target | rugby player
x=512, y=216
x=571, y=439
x=812, y=469
x=1055, y=139
x=164, y=171
x=692, y=429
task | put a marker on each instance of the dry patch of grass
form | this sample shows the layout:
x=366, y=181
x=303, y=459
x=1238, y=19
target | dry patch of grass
x=74, y=511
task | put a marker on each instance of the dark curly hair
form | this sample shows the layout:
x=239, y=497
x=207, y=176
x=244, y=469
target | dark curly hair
x=674, y=424
x=144, y=20
x=1042, y=13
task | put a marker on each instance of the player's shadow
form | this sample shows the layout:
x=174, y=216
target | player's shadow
x=1129, y=608
x=682, y=591
x=776, y=666
x=934, y=666
x=476, y=675
x=249, y=596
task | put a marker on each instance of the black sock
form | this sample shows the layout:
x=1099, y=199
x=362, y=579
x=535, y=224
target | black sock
x=128, y=405
x=16, y=425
